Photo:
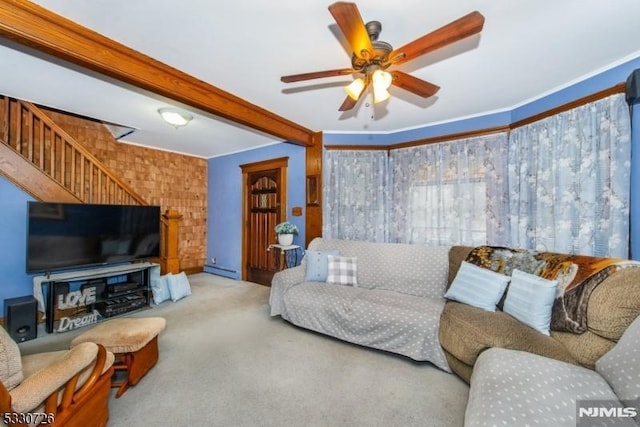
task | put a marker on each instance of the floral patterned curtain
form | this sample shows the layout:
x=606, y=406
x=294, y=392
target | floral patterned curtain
x=450, y=193
x=569, y=181
x=560, y=184
x=355, y=195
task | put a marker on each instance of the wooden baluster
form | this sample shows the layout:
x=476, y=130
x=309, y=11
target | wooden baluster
x=99, y=186
x=107, y=185
x=83, y=180
x=90, y=196
x=43, y=142
x=15, y=120
x=40, y=143
x=63, y=162
x=19, y=130
x=4, y=121
x=6, y=112
x=102, y=198
x=73, y=171
x=107, y=189
x=52, y=156
x=30, y=135
x=9, y=115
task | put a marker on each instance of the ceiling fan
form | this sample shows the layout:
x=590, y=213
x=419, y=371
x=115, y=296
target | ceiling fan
x=371, y=57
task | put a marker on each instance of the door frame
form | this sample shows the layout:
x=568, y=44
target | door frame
x=281, y=164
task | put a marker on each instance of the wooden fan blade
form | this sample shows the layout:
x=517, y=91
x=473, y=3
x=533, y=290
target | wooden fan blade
x=316, y=75
x=459, y=29
x=350, y=22
x=348, y=104
x=414, y=84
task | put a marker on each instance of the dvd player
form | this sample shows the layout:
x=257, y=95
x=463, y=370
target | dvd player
x=122, y=287
x=120, y=305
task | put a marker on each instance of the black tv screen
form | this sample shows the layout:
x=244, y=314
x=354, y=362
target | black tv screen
x=70, y=235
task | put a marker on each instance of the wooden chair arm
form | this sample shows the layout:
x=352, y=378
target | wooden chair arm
x=47, y=382
x=5, y=404
x=101, y=359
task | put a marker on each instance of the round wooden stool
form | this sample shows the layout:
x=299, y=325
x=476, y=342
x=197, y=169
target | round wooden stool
x=133, y=341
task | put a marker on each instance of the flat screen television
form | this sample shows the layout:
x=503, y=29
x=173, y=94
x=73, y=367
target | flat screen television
x=71, y=235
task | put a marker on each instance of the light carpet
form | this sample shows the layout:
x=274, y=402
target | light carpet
x=225, y=362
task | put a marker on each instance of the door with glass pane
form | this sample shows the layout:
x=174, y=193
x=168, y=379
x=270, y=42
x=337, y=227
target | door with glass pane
x=264, y=207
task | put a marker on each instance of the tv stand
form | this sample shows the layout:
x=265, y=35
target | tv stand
x=80, y=298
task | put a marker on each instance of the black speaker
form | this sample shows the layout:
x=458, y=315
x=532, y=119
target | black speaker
x=632, y=92
x=20, y=318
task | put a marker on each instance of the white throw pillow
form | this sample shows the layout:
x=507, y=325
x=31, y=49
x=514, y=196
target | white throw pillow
x=179, y=286
x=530, y=300
x=477, y=286
x=160, y=288
x=342, y=270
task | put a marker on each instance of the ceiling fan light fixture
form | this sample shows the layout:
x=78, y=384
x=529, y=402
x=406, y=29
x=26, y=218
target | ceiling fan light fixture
x=355, y=88
x=371, y=56
x=381, y=81
x=175, y=118
x=380, y=95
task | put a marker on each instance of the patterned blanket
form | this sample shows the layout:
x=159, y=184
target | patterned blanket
x=577, y=277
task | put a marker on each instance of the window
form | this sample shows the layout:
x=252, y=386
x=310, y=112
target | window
x=451, y=193
x=449, y=212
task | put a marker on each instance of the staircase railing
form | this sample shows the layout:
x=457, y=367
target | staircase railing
x=33, y=135
x=37, y=139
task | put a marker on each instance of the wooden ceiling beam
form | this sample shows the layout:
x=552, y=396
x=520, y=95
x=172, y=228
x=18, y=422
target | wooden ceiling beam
x=31, y=25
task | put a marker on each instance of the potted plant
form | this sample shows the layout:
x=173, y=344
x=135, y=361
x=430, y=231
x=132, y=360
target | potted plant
x=285, y=232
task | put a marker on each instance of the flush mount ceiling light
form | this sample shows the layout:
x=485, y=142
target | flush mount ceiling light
x=174, y=117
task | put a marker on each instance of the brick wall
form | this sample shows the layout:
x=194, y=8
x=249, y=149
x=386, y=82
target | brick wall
x=170, y=180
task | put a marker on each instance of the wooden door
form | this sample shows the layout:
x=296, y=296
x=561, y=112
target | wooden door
x=264, y=207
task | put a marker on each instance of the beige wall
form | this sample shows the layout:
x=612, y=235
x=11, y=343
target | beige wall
x=170, y=180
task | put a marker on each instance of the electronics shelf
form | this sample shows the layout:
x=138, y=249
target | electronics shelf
x=76, y=299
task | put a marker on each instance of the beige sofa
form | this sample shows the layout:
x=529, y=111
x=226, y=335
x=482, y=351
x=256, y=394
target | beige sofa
x=466, y=331
x=586, y=375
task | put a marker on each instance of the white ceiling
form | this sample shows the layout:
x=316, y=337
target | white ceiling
x=527, y=48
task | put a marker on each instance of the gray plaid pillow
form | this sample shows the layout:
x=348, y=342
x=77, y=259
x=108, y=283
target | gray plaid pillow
x=342, y=270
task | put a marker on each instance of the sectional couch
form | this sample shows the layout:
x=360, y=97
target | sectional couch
x=393, y=299
x=606, y=306
x=590, y=360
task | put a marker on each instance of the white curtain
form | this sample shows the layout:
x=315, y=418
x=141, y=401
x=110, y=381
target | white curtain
x=355, y=195
x=569, y=181
x=450, y=193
